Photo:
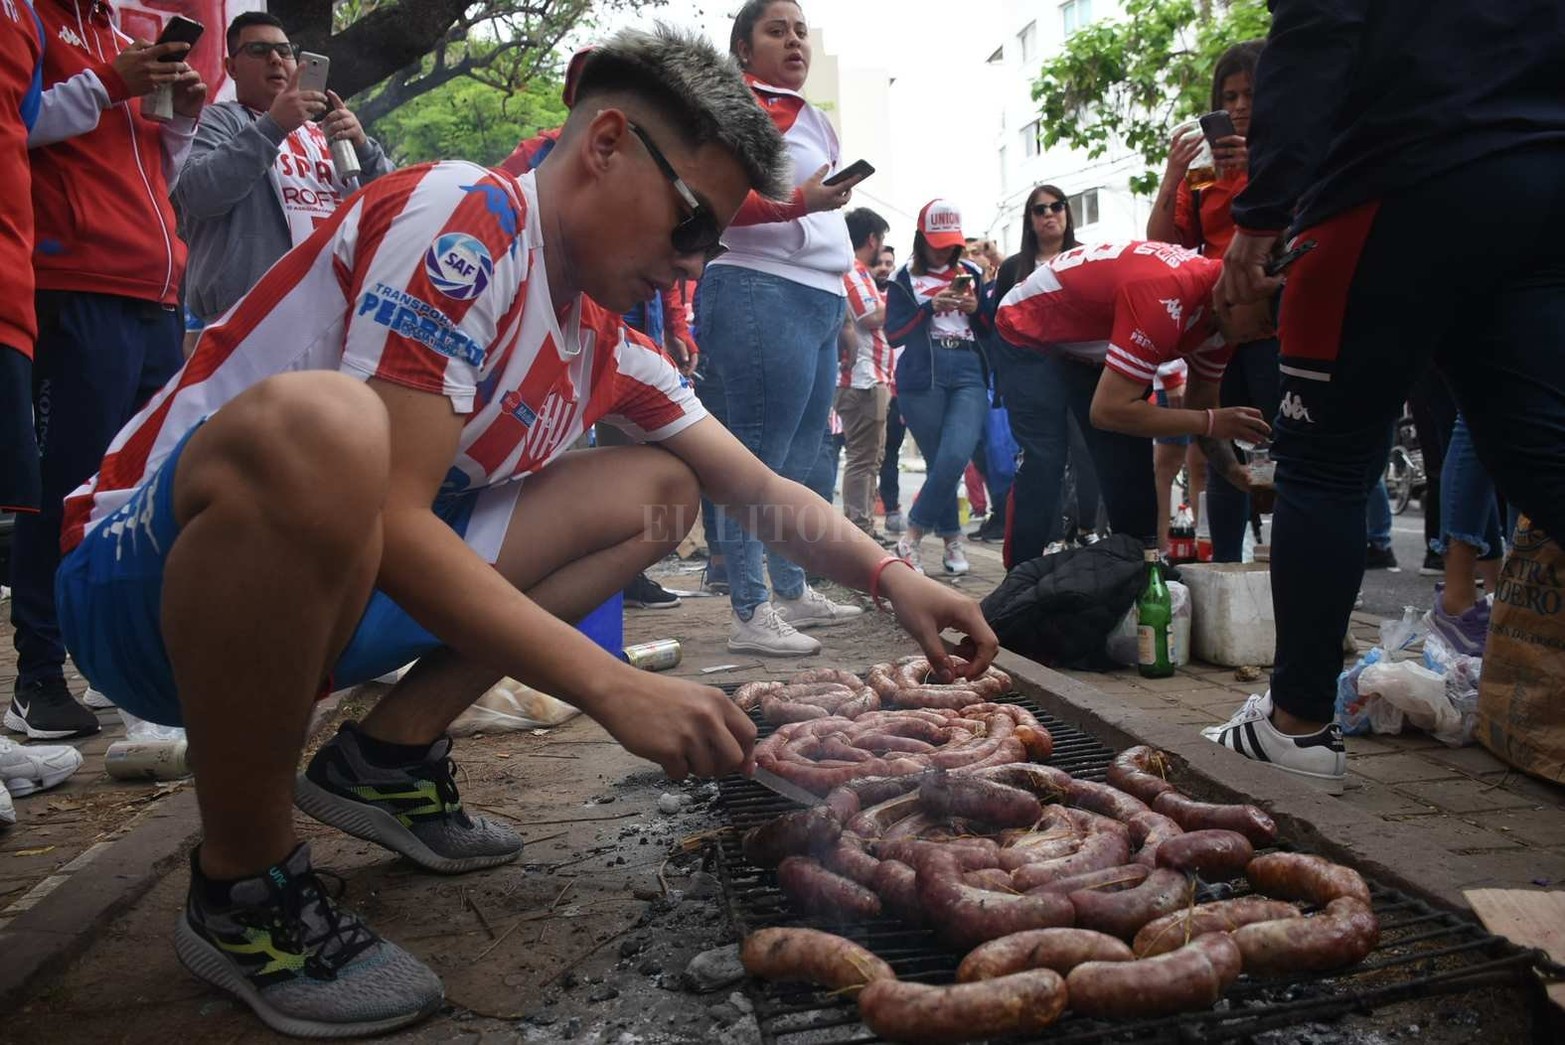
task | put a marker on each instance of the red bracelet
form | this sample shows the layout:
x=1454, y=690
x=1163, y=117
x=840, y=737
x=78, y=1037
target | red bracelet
x=1211, y=420
x=874, y=578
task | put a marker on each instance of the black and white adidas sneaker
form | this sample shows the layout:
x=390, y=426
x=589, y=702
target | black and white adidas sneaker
x=1318, y=757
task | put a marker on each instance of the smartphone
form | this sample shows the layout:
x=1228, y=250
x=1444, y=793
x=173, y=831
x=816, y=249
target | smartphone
x=962, y=282
x=312, y=71
x=854, y=172
x=180, y=30
x=1278, y=265
x=1217, y=126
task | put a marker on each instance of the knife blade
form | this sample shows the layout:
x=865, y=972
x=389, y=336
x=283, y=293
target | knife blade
x=787, y=788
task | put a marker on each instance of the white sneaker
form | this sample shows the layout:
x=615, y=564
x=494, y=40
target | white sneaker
x=7, y=809
x=1318, y=757
x=34, y=767
x=767, y=633
x=814, y=610
x=96, y=700
x=908, y=550
x=955, y=557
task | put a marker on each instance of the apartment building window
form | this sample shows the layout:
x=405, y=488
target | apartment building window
x=1075, y=14
x=1004, y=173
x=1031, y=134
x=1028, y=39
x=1084, y=207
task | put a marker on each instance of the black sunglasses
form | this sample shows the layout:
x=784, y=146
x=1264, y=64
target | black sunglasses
x=1040, y=209
x=263, y=49
x=699, y=232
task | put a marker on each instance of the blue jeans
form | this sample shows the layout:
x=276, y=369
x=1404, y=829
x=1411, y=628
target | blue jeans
x=1467, y=506
x=1342, y=393
x=946, y=420
x=769, y=347
x=1377, y=516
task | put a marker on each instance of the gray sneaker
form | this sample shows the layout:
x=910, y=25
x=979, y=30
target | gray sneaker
x=305, y=966
x=413, y=810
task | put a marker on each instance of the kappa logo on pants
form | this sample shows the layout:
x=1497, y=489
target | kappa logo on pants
x=1293, y=408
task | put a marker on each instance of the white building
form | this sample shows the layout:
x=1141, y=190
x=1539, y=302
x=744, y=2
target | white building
x=1098, y=189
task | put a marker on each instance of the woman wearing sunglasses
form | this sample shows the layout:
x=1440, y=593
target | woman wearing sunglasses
x=1047, y=437
x=769, y=310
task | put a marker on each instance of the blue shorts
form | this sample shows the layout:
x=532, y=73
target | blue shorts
x=109, y=596
x=1168, y=440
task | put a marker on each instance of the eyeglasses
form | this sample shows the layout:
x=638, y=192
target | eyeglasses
x=699, y=232
x=1040, y=209
x=263, y=49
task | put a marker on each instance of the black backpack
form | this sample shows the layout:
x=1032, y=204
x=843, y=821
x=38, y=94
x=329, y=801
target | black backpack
x=1060, y=609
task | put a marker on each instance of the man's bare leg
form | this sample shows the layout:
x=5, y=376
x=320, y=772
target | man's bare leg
x=566, y=560
x=279, y=499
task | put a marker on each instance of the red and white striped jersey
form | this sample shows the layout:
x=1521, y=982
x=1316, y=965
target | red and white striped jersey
x=1130, y=306
x=873, y=365
x=431, y=278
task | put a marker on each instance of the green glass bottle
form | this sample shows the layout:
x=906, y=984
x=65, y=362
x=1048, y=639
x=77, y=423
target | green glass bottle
x=1155, y=623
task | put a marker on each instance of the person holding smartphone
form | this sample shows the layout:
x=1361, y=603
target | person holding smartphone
x=935, y=313
x=770, y=310
x=107, y=263
x=259, y=177
x=1201, y=219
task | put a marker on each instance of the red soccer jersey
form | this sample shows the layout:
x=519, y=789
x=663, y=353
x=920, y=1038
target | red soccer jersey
x=874, y=364
x=1129, y=306
x=20, y=50
x=431, y=278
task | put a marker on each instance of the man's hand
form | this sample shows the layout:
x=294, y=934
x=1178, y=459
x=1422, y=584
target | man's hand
x=291, y=108
x=341, y=125
x=684, y=353
x=189, y=94
x=1244, y=277
x=687, y=728
x=141, y=65
x=819, y=197
x=945, y=301
x=1240, y=422
x=967, y=303
x=925, y=608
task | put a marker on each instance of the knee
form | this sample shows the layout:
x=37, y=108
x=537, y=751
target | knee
x=673, y=497
x=315, y=444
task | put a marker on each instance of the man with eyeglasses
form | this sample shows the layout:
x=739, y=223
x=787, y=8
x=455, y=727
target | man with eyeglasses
x=365, y=462
x=259, y=178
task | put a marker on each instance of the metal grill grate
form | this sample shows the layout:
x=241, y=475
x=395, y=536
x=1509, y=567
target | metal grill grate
x=1423, y=951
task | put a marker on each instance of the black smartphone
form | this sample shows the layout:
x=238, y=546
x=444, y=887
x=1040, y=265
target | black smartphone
x=180, y=30
x=1278, y=265
x=854, y=172
x=1217, y=126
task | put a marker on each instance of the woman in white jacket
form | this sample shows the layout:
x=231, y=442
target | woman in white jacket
x=769, y=311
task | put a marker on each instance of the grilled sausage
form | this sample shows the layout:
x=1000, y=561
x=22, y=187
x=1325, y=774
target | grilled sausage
x=1301, y=876
x=849, y=859
x=916, y=1012
x=1173, y=931
x=1214, y=855
x=1123, y=914
x=1046, y=782
x=808, y=832
x=1038, y=741
x=1097, y=851
x=1109, y=880
x=1150, y=831
x=825, y=893
x=1104, y=800
x=1343, y=935
x=896, y=883
x=1058, y=949
x=1180, y=981
x=811, y=956
x=848, y=800
x=1140, y=771
x=965, y=916
x=1191, y=815
x=972, y=798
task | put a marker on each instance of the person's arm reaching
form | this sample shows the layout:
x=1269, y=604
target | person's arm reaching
x=808, y=531
x=1120, y=405
x=1299, y=90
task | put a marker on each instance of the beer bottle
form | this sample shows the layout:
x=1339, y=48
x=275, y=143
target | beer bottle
x=1154, y=623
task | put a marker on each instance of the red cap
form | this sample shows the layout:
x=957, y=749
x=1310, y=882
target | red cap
x=941, y=224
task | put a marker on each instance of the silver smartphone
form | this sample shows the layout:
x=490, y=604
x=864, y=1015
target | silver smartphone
x=312, y=71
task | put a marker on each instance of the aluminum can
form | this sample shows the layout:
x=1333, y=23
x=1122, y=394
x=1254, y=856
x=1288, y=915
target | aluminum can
x=147, y=759
x=345, y=159
x=654, y=656
x=158, y=104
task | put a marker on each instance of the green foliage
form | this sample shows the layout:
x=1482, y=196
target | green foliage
x=1132, y=81
x=465, y=119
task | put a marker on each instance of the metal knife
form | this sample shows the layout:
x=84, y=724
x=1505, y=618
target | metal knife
x=787, y=788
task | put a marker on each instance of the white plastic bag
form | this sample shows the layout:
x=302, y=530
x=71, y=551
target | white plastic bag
x=1462, y=675
x=1418, y=692
x=511, y=707
x=140, y=729
x=1124, y=647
